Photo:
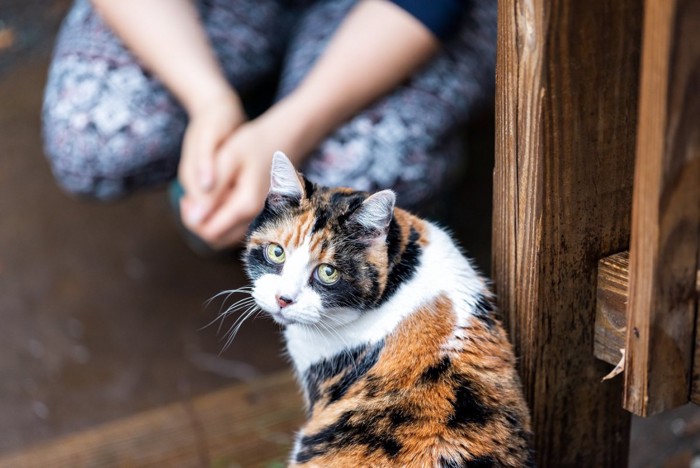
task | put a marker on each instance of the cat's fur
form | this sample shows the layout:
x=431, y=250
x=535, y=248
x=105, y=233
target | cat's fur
x=401, y=361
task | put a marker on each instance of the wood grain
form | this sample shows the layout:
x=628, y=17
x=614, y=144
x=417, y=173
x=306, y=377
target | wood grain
x=611, y=307
x=247, y=425
x=566, y=99
x=695, y=390
x=666, y=211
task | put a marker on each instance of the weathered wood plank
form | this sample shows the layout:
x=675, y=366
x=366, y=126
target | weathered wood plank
x=567, y=80
x=244, y=425
x=666, y=211
x=695, y=390
x=611, y=311
x=611, y=307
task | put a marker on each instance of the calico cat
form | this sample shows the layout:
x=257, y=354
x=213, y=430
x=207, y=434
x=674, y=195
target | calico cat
x=390, y=330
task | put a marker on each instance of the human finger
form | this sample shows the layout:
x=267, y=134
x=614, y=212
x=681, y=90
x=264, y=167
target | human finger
x=241, y=205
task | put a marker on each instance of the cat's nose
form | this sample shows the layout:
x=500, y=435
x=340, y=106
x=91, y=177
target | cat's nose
x=284, y=301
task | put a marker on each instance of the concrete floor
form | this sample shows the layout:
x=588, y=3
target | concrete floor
x=101, y=306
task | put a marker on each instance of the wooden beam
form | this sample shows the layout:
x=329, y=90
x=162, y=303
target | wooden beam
x=611, y=313
x=666, y=211
x=611, y=307
x=244, y=425
x=566, y=100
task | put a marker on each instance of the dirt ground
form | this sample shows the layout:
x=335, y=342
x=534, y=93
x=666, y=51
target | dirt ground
x=102, y=306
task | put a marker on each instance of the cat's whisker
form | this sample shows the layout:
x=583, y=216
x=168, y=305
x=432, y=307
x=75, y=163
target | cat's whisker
x=236, y=305
x=228, y=293
x=233, y=330
x=247, y=307
x=240, y=304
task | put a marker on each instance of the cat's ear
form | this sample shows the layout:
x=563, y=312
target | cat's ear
x=376, y=212
x=285, y=182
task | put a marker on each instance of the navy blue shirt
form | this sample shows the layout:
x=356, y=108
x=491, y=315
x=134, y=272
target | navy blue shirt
x=441, y=17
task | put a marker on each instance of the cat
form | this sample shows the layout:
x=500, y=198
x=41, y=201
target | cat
x=390, y=330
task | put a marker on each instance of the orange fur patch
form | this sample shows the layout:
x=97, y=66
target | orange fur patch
x=398, y=380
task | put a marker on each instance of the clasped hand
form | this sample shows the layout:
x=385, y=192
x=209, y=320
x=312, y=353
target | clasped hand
x=225, y=169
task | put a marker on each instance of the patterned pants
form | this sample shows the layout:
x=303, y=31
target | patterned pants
x=111, y=128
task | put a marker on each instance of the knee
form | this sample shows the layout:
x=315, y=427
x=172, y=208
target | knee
x=76, y=161
x=87, y=166
x=104, y=130
x=89, y=162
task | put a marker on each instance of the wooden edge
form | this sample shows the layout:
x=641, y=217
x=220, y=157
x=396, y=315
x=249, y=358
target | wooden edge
x=243, y=425
x=611, y=311
x=665, y=234
x=611, y=304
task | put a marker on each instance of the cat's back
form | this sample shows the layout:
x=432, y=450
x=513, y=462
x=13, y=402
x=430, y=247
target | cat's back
x=439, y=389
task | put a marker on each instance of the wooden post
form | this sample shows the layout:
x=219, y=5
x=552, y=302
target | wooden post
x=666, y=211
x=611, y=307
x=566, y=101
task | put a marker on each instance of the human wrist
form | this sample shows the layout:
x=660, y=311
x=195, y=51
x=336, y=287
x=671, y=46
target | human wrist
x=202, y=97
x=302, y=122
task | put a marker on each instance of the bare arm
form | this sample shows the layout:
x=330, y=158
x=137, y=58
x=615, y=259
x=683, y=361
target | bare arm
x=169, y=39
x=167, y=36
x=377, y=47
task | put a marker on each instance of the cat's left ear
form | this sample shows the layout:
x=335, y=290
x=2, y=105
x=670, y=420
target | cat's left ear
x=376, y=212
x=285, y=182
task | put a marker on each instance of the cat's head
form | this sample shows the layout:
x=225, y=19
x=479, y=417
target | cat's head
x=317, y=255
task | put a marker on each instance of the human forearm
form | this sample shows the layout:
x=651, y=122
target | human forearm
x=377, y=47
x=167, y=36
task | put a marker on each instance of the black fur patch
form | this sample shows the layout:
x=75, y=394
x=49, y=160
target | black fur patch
x=373, y=386
x=393, y=242
x=257, y=265
x=266, y=215
x=352, y=203
x=483, y=310
x=354, y=363
x=309, y=187
x=467, y=408
x=521, y=441
x=323, y=217
x=450, y=463
x=433, y=373
x=355, y=372
x=406, y=266
x=344, y=293
x=347, y=432
x=478, y=462
x=481, y=462
x=400, y=416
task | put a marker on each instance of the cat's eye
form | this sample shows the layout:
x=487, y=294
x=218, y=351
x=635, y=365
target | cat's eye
x=327, y=274
x=274, y=253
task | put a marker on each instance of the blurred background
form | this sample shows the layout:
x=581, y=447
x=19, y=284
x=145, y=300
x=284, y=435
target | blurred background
x=102, y=306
